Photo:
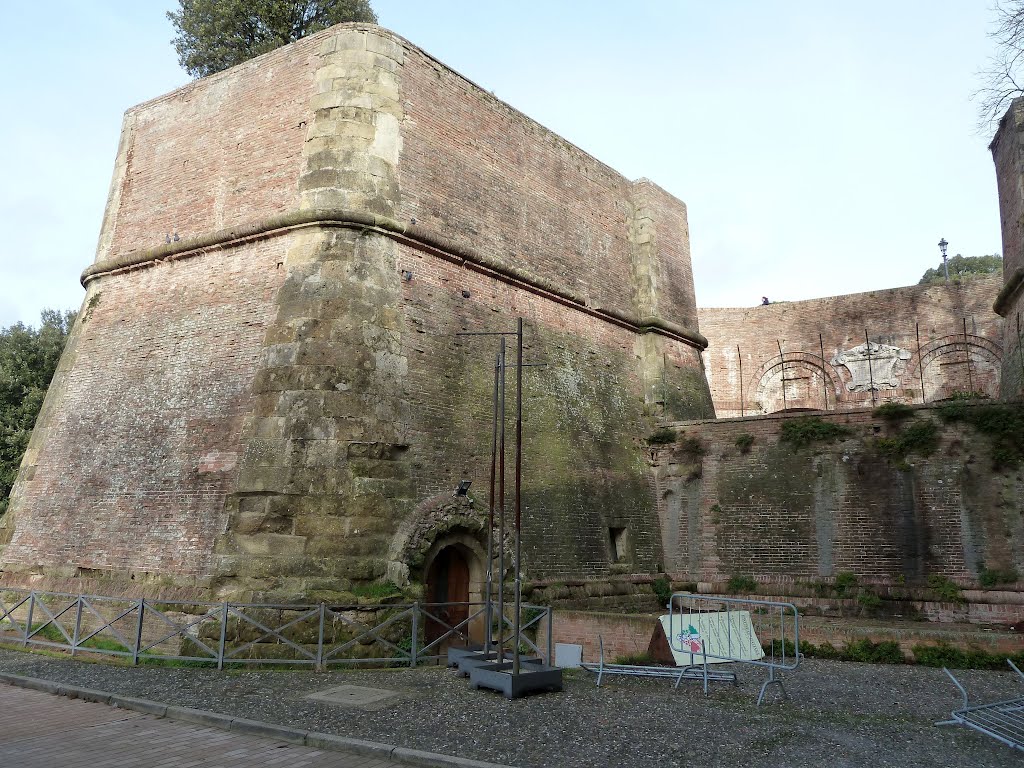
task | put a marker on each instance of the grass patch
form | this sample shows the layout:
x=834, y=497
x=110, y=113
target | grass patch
x=801, y=432
x=376, y=590
x=636, y=659
x=48, y=632
x=946, y=655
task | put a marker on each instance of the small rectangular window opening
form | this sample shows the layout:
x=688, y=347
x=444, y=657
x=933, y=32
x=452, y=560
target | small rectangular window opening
x=618, y=539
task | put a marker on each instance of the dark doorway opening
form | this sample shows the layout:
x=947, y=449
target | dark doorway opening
x=448, y=582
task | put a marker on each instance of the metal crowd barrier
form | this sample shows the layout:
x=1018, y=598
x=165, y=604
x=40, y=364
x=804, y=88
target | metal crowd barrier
x=148, y=631
x=1002, y=720
x=649, y=670
x=707, y=629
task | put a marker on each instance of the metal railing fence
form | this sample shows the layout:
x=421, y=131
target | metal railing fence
x=200, y=633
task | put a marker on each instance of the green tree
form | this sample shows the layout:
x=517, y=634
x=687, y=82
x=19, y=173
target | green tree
x=216, y=34
x=28, y=359
x=964, y=268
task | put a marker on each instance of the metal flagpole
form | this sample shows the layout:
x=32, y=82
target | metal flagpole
x=518, y=503
x=501, y=501
x=489, y=604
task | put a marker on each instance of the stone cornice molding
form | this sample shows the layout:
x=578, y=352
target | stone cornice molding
x=409, y=234
x=1014, y=282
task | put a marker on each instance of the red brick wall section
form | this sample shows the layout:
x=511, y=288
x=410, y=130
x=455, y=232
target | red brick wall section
x=583, y=414
x=793, y=518
x=484, y=174
x=891, y=317
x=141, y=445
x=222, y=151
x=622, y=634
x=1007, y=155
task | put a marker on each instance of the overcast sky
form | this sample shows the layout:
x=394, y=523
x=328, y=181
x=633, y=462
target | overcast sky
x=821, y=148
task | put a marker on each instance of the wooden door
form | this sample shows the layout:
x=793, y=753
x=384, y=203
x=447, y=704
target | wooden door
x=448, y=583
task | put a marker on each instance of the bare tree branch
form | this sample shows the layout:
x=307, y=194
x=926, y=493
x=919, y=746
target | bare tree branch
x=1001, y=78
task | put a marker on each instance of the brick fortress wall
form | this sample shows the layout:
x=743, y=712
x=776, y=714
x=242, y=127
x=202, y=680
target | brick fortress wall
x=1007, y=155
x=919, y=351
x=738, y=501
x=273, y=402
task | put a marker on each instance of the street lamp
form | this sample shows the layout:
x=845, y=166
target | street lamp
x=945, y=267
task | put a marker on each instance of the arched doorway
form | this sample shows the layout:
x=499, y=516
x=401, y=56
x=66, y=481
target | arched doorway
x=448, y=588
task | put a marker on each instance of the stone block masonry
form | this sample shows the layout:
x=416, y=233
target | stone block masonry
x=265, y=391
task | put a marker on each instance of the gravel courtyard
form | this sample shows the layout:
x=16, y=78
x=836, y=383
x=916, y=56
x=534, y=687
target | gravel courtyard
x=838, y=713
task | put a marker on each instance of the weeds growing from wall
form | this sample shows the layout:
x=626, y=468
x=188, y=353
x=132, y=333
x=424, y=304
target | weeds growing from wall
x=744, y=442
x=662, y=589
x=741, y=585
x=801, y=432
x=692, y=447
x=1003, y=425
x=945, y=590
x=845, y=584
x=662, y=436
x=893, y=411
x=920, y=437
x=992, y=577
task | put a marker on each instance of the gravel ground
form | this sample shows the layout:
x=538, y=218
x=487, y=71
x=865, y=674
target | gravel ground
x=839, y=713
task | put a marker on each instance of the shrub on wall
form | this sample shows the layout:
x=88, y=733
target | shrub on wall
x=893, y=411
x=921, y=437
x=991, y=577
x=744, y=442
x=810, y=429
x=1003, y=425
x=662, y=436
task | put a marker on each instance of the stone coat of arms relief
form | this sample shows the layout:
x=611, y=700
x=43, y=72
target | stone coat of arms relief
x=873, y=366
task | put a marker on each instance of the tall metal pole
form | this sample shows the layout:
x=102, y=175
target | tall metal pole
x=1020, y=352
x=785, y=405
x=501, y=501
x=871, y=375
x=518, y=504
x=967, y=360
x=920, y=362
x=739, y=356
x=488, y=604
x=824, y=375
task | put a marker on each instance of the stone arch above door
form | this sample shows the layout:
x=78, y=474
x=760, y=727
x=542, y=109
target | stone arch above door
x=435, y=523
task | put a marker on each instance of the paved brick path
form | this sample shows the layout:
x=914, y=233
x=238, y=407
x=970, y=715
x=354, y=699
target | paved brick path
x=40, y=730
